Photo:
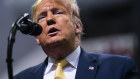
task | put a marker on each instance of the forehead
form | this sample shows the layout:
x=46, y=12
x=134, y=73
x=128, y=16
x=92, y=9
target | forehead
x=51, y=4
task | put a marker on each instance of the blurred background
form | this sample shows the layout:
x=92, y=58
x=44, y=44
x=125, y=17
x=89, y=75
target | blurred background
x=110, y=26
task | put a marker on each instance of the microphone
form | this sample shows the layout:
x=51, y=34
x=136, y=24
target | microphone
x=26, y=26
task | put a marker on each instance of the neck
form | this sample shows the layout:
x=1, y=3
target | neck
x=61, y=51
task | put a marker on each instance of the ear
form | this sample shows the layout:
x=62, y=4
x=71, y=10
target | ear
x=37, y=40
x=78, y=28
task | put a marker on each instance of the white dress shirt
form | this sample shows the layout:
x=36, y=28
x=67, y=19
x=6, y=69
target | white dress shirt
x=70, y=70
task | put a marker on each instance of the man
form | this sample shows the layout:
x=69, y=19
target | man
x=60, y=39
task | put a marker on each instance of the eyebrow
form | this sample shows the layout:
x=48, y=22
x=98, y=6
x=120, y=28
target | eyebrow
x=54, y=8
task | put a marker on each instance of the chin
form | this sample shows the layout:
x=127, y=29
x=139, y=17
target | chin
x=56, y=41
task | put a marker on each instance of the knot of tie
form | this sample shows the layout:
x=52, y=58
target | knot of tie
x=61, y=62
x=59, y=74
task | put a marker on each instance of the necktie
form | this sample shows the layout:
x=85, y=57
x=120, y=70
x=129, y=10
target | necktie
x=59, y=74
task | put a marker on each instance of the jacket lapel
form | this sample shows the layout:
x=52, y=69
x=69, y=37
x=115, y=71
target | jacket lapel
x=87, y=66
x=39, y=72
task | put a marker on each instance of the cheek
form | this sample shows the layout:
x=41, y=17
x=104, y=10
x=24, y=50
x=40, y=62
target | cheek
x=43, y=24
x=63, y=19
x=69, y=29
x=69, y=25
x=44, y=27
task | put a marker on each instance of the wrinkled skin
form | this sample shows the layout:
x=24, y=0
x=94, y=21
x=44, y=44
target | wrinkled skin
x=60, y=34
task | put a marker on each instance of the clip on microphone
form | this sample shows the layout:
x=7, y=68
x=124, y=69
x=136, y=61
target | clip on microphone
x=26, y=26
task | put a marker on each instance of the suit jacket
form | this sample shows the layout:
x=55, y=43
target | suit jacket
x=91, y=66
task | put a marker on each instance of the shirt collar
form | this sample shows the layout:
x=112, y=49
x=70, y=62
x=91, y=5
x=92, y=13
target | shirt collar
x=73, y=59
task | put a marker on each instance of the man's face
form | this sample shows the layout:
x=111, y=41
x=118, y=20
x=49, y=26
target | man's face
x=56, y=21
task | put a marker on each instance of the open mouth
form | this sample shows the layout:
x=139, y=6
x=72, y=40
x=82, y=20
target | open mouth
x=52, y=31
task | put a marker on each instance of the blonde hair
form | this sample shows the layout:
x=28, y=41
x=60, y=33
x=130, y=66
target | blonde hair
x=73, y=7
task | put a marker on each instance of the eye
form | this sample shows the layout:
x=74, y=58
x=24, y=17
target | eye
x=59, y=12
x=42, y=16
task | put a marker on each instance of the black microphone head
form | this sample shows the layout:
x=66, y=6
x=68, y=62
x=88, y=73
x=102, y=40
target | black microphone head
x=31, y=28
x=37, y=29
x=27, y=26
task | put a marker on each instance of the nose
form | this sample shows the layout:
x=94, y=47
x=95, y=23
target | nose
x=51, y=22
x=50, y=19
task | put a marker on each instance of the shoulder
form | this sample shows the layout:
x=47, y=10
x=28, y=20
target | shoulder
x=29, y=72
x=109, y=58
x=118, y=66
x=119, y=62
x=106, y=58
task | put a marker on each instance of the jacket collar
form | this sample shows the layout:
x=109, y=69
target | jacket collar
x=87, y=66
x=39, y=71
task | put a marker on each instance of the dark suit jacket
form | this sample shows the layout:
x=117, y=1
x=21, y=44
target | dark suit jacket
x=92, y=66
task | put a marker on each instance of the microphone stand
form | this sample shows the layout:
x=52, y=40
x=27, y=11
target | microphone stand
x=26, y=26
x=11, y=40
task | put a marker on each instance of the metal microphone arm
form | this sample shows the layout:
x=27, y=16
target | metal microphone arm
x=11, y=40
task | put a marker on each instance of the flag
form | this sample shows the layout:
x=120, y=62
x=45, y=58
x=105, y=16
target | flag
x=91, y=68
